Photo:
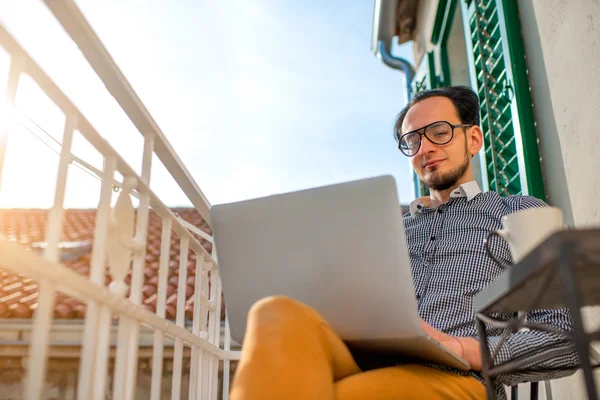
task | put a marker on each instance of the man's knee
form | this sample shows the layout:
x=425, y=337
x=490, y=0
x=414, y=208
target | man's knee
x=279, y=305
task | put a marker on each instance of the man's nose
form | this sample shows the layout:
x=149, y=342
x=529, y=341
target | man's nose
x=426, y=146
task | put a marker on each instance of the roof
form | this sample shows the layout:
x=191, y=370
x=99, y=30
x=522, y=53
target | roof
x=393, y=18
x=18, y=294
x=406, y=20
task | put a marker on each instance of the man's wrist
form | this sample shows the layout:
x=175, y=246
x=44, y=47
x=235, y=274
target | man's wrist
x=471, y=352
x=461, y=345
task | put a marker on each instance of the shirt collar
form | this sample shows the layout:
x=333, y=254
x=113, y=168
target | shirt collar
x=467, y=189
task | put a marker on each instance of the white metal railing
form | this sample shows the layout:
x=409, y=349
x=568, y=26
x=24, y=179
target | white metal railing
x=121, y=244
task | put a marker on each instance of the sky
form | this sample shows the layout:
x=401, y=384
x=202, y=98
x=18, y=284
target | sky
x=257, y=97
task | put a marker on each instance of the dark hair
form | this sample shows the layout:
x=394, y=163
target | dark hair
x=465, y=101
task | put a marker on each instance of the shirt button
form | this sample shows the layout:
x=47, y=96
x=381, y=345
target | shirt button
x=439, y=210
x=432, y=238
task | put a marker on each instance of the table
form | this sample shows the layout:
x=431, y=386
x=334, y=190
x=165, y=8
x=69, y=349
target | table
x=563, y=271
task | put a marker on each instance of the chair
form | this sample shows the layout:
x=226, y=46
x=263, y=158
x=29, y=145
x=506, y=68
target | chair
x=533, y=391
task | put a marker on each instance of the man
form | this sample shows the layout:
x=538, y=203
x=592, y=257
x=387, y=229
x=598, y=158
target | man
x=290, y=352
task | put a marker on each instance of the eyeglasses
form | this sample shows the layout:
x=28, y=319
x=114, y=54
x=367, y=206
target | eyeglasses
x=440, y=132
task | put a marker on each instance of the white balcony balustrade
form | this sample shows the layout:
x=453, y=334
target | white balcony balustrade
x=119, y=244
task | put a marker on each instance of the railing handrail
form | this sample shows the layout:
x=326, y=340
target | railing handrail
x=93, y=50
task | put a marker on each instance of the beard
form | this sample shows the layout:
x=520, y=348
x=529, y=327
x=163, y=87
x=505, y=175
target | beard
x=438, y=181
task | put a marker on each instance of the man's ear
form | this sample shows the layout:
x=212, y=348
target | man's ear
x=475, y=139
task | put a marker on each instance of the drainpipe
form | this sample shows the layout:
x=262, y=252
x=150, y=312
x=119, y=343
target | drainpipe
x=384, y=54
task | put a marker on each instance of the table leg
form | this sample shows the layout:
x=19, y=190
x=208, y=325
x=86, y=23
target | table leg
x=486, y=358
x=572, y=300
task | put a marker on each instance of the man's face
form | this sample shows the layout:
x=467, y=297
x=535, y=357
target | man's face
x=441, y=167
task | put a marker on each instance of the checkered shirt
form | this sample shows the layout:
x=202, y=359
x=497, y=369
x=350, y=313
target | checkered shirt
x=450, y=266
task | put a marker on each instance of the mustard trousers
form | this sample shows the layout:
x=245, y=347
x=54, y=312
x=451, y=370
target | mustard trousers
x=290, y=352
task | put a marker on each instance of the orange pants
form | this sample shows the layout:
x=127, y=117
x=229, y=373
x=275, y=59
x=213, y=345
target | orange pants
x=290, y=352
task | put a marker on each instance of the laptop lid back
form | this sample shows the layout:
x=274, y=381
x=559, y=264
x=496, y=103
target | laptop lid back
x=341, y=249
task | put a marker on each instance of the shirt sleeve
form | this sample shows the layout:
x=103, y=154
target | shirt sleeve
x=528, y=343
x=520, y=203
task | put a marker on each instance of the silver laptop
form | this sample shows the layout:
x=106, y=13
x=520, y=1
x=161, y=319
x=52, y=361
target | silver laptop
x=342, y=250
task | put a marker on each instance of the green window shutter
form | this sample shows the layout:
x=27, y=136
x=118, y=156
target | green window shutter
x=498, y=73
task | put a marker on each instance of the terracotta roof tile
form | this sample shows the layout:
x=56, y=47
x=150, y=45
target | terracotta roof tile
x=18, y=294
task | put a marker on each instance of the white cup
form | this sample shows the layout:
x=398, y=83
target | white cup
x=525, y=230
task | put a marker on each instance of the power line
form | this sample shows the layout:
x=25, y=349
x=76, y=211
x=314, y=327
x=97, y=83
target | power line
x=76, y=161
x=38, y=126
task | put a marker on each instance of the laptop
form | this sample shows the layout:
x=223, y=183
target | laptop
x=340, y=249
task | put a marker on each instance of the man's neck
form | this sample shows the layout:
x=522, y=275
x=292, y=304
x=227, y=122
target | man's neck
x=439, y=197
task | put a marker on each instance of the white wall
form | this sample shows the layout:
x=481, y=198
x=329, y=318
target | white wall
x=457, y=52
x=562, y=44
x=424, y=28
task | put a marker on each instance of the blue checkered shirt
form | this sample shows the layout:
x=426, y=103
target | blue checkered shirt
x=450, y=266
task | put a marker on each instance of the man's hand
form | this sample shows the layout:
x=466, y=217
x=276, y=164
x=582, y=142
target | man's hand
x=465, y=347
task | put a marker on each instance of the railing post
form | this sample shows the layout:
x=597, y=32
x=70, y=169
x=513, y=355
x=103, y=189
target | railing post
x=97, y=274
x=121, y=245
x=216, y=335
x=213, y=326
x=180, y=318
x=196, y=356
x=205, y=359
x=139, y=262
x=92, y=367
x=127, y=342
x=161, y=297
x=42, y=320
x=226, y=362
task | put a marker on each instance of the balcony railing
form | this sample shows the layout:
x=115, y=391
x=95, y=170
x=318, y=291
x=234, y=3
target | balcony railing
x=120, y=240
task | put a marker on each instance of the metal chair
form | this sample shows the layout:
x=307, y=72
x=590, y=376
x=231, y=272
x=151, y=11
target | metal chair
x=533, y=391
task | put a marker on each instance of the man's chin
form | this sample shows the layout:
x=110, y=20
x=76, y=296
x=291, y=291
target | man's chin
x=433, y=172
x=433, y=176
x=438, y=182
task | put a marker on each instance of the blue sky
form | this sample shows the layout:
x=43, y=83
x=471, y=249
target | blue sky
x=256, y=96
